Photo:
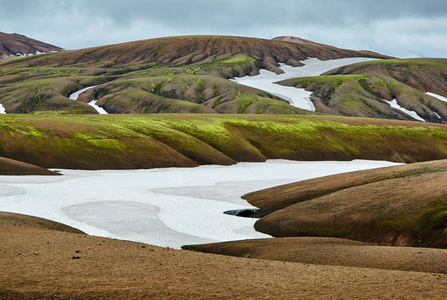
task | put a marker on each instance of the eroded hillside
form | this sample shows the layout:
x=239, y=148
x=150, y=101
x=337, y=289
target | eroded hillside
x=369, y=89
x=177, y=74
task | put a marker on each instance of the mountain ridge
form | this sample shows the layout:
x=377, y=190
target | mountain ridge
x=189, y=74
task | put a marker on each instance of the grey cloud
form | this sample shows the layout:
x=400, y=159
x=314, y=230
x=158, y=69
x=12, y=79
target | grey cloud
x=393, y=27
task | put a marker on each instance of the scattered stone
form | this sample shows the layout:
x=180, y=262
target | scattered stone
x=244, y=212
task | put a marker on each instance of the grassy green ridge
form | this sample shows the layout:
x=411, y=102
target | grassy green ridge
x=361, y=89
x=173, y=140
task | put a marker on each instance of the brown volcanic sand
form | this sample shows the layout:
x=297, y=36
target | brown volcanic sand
x=14, y=167
x=292, y=193
x=408, y=209
x=333, y=251
x=37, y=263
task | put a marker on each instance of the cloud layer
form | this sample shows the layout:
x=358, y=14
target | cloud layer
x=399, y=28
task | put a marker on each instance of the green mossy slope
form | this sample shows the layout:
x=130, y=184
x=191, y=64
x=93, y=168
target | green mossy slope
x=363, y=89
x=172, y=140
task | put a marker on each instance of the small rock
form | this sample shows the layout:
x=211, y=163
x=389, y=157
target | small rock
x=76, y=257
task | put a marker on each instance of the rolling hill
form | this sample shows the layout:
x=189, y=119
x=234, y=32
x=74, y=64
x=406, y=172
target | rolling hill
x=189, y=74
x=174, y=75
x=53, y=140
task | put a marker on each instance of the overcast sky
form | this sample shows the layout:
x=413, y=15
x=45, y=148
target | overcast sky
x=405, y=28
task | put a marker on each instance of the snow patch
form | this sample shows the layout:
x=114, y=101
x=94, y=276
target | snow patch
x=75, y=95
x=99, y=109
x=444, y=99
x=267, y=80
x=411, y=113
x=30, y=54
x=165, y=207
x=2, y=109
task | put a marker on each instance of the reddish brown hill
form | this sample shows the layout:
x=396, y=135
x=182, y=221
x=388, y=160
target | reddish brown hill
x=323, y=47
x=182, y=50
x=12, y=45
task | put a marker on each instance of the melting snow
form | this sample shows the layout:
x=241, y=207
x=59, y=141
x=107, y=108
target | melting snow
x=30, y=54
x=266, y=80
x=413, y=114
x=444, y=99
x=75, y=95
x=165, y=207
x=99, y=109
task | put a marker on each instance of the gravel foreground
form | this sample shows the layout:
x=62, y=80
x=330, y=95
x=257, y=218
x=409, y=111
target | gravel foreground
x=39, y=263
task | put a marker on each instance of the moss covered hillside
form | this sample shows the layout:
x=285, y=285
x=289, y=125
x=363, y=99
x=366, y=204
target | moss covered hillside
x=55, y=140
x=365, y=89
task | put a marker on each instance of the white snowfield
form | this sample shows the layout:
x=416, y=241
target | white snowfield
x=297, y=97
x=411, y=113
x=2, y=109
x=75, y=95
x=165, y=207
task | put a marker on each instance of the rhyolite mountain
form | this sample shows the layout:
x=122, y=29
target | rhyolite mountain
x=186, y=74
x=189, y=74
x=14, y=45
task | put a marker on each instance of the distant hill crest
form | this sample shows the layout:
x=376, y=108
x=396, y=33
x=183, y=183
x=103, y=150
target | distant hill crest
x=16, y=45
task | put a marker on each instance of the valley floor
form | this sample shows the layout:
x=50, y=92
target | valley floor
x=168, y=207
x=38, y=263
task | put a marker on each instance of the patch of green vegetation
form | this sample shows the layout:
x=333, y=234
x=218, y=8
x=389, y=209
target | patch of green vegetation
x=410, y=62
x=335, y=81
x=239, y=60
x=426, y=224
x=192, y=72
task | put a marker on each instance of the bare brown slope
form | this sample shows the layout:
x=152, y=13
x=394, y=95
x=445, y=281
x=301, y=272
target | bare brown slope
x=404, y=210
x=38, y=264
x=182, y=50
x=13, y=44
x=14, y=167
x=333, y=251
x=289, y=194
x=34, y=222
x=300, y=41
